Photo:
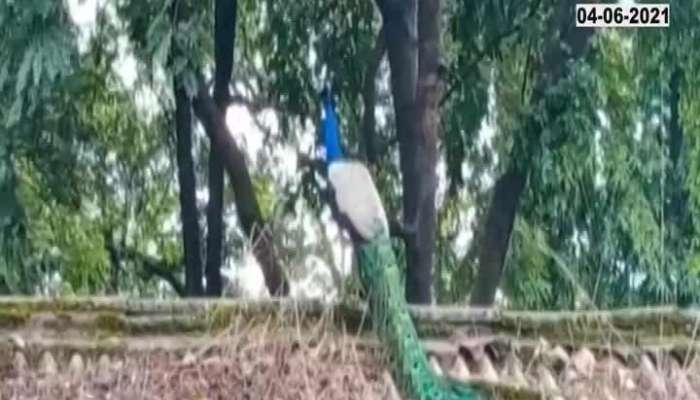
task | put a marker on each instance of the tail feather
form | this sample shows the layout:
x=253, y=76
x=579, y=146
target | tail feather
x=390, y=318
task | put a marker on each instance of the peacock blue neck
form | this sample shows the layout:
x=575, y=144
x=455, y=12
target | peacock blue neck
x=331, y=135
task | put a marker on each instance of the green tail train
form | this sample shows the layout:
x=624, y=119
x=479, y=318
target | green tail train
x=380, y=276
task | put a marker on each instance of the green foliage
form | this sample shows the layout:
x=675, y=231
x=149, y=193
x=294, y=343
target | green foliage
x=264, y=191
x=81, y=166
x=530, y=283
x=602, y=193
x=62, y=237
x=39, y=52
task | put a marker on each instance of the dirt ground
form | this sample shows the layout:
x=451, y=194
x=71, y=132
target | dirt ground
x=265, y=370
x=150, y=351
x=331, y=367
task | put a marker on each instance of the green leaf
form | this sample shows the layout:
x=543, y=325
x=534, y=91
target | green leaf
x=8, y=203
x=15, y=113
x=163, y=49
x=23, y=72
x=36, y=69
x=4, y=74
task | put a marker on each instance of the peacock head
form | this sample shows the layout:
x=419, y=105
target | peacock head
x=330, y=134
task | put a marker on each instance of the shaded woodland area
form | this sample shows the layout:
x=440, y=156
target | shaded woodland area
x=147, y=147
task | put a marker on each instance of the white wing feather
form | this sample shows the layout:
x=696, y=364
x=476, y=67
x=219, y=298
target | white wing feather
x=357, y=198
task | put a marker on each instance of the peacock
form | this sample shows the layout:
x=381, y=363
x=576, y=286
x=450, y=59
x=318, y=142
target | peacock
x=358, y=209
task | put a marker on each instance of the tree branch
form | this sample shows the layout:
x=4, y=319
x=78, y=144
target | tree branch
x=188, y=201
x=369, y=98
x=254, y=106
x=225, y=39
x=306, y=162
x=155, y=270
x=480, y=54
x=186, y=179
x=149, y=266
x=247, y=206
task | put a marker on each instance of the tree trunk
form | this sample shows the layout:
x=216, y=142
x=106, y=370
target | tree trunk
x=421, y=248
x=224, y=37
x=186, y=177
x=498, y=227
x=188, y=201
x=215, y=225
x=568, y=43
x=225, y=41
x=676, y=206
x=414, y=89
